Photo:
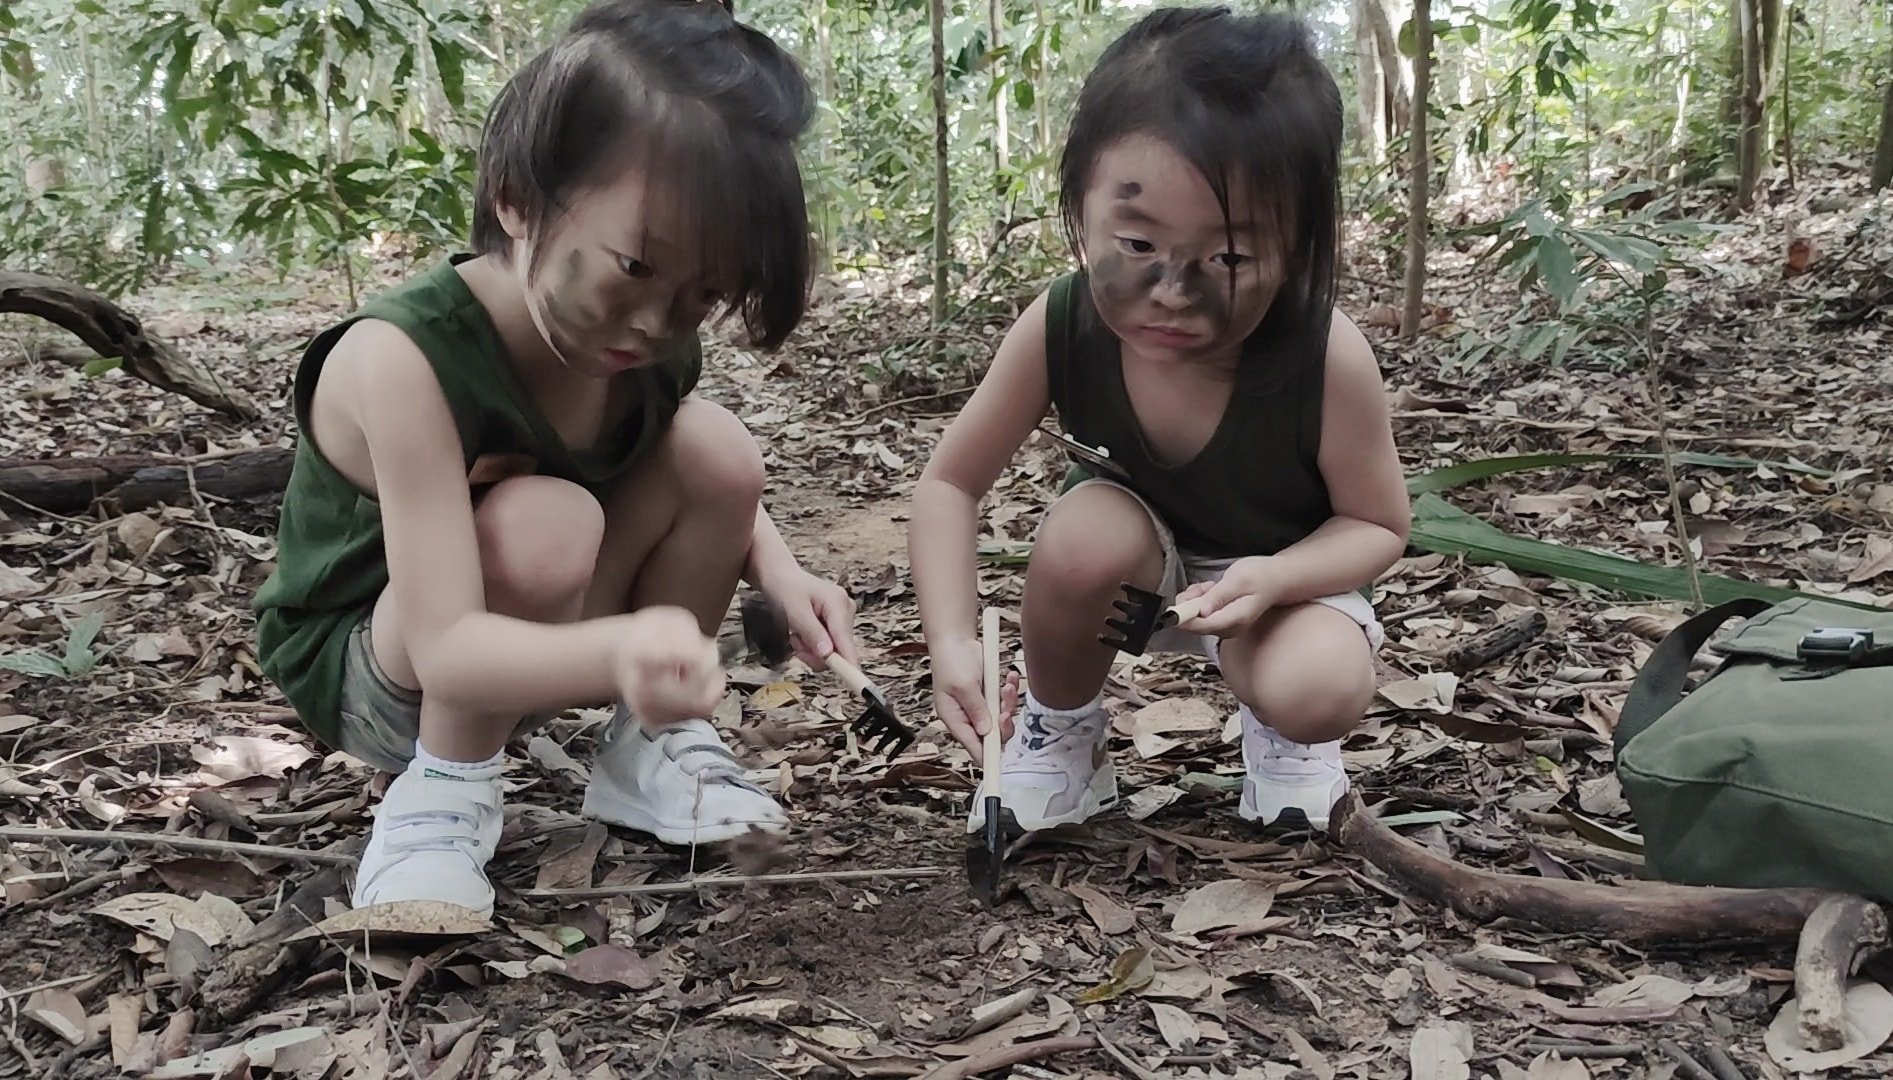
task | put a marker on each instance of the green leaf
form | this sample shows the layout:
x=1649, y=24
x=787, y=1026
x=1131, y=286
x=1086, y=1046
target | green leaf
x=99, y=365
x=1601, y=834
x=79, y=644
x=1559, y=268
x=1440, y=527
x=451, y=59
x=32, y=662
x=1470, y=472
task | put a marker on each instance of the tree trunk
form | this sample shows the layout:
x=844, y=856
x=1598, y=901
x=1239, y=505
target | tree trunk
x=1419, y=175
x=1369, y=85
x=1748, y=157
x=1002, y=126
x=1883, y=152
x=1393, y=85
x=70, y=485
x=114, y=332
x=942, y=193
x=1787, y=85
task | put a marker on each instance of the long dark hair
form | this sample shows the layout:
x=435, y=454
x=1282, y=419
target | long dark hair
x=709, y=107
x=1237, y=96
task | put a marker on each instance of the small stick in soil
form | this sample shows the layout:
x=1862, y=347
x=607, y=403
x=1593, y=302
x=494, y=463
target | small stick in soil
x=8, y=995
x=84, y=887
x=196, y=844
x=1122, y=1058
x=1840, y=934
x=1689, y=1067
x=1433, y=800
x=1722, y=1064
x=1006, y=1056
x=1571, y=1049
x=1502, y=640
x=1492, y=969
x=661, y=888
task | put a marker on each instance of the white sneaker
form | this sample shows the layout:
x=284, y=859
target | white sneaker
x=1054, y=771
x=1288, y=784
x=433, y=836
x=681, y=785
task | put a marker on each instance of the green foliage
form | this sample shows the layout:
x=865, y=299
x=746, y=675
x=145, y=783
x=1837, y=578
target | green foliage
x=78, y=660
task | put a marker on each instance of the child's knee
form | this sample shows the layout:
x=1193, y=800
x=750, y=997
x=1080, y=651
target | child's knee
x=1313, y=706
x=539, y=541
x=1093, y=539
x=716, y=457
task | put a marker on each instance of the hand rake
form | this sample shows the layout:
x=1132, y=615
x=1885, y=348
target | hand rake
x=766, y=628
x=1144, y=615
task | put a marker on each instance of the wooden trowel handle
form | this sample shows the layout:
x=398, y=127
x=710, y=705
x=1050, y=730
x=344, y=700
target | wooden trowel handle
x=850, y=676
x=1185, y=610
x=989, y=642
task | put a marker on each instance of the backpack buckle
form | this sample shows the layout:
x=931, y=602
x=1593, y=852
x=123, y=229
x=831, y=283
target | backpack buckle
x=1835, y=645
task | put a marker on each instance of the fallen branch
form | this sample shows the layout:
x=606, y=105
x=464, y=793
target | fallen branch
x=1502, y=640
x=1836, y=932
x=660, y=888
x=1842, y=932
x=1636, y=912
x=195, y=844
x=1006, y=1056
x=112, y=331
x=263, y=960
x=135, y=481
x=1687, y=1066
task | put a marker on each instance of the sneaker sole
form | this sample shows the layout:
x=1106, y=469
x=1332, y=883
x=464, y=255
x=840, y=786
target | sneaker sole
x=688, y=834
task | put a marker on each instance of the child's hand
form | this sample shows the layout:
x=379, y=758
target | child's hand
x=1247, y=591
x=820, y=615
x=666, y=669
x=959, y=695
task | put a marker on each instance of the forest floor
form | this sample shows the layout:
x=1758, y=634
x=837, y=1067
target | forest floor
x=1175, y=941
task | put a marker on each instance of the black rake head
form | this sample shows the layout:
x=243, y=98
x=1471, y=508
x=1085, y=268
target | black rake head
x=1145, y=613
x=878, y=728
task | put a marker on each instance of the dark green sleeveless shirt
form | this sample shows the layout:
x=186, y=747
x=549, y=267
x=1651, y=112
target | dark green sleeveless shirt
x=330, y=563
x=1255, y=487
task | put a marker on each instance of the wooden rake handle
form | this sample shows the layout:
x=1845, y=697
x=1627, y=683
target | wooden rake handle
x=989, y=643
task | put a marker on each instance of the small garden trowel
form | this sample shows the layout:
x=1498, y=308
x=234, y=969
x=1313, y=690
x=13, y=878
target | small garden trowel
x=986, y=855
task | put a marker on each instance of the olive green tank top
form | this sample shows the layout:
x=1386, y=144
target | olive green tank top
x=330, y=563
x=1254, y=489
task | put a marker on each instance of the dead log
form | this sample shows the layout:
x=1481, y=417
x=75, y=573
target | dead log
x=1502, y=640
x=113, y=331
x=1841, y=934
x=135, y=481
x=1836, y=932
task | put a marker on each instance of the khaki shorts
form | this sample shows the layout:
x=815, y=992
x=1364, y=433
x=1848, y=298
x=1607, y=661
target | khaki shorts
x=380, y=717
x=1181, y=570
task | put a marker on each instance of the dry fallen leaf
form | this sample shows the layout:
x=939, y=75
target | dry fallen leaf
x=231, y=758
x=1147, y=801
x=425, y=918
x=1177, y=1027
x=1432, y=692
x=1232, y=902
x=124, y=1012
x=1441, y=1051
x=1869, y=1025
x=570, y=857
x=776, y=695
x=213, y=918
x=1132, y=970
x=1546, y=1066
x=612, y=964
x=1311, y=1059
x=1109, y=915
x=1877, y=559
x=261, y=1052
x=1000, y=1010
x=1645, y=991
x=59, y=1011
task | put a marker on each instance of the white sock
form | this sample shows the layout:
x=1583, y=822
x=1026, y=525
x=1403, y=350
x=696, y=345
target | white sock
x=431, y=765
x=1035, y=707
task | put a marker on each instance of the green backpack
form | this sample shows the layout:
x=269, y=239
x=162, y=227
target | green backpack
x=1777, y=769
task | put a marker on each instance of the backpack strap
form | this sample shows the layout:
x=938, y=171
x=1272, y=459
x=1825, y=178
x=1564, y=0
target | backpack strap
x=1659, y=686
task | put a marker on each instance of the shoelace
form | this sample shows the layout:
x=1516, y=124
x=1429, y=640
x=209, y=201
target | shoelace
x=1041, y=735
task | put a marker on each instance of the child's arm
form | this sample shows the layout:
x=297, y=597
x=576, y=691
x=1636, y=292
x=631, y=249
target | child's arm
x=1372, y=513
x=820, y=613
x=466, y=656
x=944, y=529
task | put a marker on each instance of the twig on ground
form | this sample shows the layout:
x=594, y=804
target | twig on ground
x=1005, y=1056
x=660, y=888
x=1121, y=1057
x=1492, y=969
x=1689, y=1067
x=63, y=1064
x=1571, y=1048
x=195, y=844
x=9, y=995
x=1722, y=1064
x=71, y=892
